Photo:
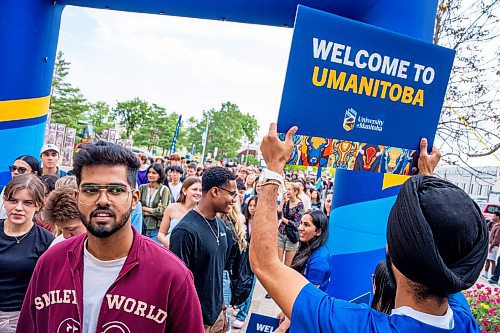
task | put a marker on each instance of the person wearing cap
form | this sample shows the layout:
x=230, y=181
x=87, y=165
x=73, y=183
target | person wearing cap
x=50, y=156
x=437, y=243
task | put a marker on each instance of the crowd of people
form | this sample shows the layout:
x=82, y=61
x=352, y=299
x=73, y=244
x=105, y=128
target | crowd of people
x=171, y=245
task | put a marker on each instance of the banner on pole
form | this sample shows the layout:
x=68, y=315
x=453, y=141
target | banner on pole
x=173, y=147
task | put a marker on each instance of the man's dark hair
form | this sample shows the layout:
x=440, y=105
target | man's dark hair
x=159, y=170
x=106, y=153
x=241, y=186
x=192, y=165
x=176, y=168
x=216, y=177
x=49, y=181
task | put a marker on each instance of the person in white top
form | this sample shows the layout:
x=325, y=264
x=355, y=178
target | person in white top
x=189, y=197
x=303, y=196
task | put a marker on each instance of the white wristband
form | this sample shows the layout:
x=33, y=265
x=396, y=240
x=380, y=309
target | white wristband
x=267, y=174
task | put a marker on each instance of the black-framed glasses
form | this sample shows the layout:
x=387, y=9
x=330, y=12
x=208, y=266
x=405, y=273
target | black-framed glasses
x=234, y=194
x=116, y=193
x=21, y=170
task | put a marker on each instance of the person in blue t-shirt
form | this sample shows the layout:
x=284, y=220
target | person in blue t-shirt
x=437, y=243
x=312, y=258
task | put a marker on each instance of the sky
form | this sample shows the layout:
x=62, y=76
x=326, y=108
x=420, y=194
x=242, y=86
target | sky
x=186, y=65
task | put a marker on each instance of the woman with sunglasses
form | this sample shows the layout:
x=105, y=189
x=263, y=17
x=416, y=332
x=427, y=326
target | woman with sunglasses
x=22, y=242
x=22, y=165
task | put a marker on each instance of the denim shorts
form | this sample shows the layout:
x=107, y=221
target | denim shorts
x=285, y=243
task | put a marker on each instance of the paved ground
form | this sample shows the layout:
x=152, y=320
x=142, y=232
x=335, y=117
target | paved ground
x=267, y=307
x=260, y=305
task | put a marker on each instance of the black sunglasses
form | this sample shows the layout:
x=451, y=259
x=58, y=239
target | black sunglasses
x=21, y=170
x=233, y=193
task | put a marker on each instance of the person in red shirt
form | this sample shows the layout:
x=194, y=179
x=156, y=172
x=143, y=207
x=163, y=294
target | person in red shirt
x=111, y=278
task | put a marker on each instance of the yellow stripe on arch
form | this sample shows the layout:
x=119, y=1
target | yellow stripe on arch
x=20, y=109
x=391, y=180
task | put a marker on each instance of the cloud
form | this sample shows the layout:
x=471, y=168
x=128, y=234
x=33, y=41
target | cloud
x=186, y=65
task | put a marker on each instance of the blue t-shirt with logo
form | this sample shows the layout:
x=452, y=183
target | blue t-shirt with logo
x=315, y=311
x=318, y=269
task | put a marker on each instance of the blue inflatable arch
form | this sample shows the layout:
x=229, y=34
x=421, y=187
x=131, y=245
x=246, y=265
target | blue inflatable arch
x=29, y=31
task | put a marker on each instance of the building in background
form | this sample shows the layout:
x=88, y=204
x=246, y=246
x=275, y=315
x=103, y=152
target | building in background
x=481, y=183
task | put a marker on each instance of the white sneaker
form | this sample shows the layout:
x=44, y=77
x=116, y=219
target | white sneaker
x=485, y=275
x=238, y=324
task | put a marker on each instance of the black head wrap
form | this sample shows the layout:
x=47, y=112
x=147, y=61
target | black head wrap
x=437, y=235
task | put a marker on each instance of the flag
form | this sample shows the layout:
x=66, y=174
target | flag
x=319, y=182
x=176, y=134
x=204, y=136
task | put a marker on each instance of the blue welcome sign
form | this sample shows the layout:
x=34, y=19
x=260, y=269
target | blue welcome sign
x=350, y=81
x=260, y=323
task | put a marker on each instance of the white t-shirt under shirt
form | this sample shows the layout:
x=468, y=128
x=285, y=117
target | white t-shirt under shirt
x=176, y=190
x=58, y=239
x=445, y=322
x=98, y=276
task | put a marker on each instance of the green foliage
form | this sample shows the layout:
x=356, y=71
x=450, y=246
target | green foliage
x=131, y=114
x=226, y=128
x=157, y=129
x=485, y=307
x=68, y=105
x=191, y=133
x=99, y=116
x=149, y=125
x=252, y=160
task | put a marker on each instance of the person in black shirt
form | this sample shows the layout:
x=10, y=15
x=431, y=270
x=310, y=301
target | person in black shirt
x=201, y=241
x=21, y=244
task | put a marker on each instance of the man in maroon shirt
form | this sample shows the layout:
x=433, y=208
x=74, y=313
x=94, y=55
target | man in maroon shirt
x=112, y=278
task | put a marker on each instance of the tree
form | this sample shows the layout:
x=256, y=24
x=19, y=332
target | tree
x=470, y=119
x=192, y=131
x=67, y=103
x=131, y=114
x=157, y=129
x=252, y=160
x=99, y=116
x=226, y=128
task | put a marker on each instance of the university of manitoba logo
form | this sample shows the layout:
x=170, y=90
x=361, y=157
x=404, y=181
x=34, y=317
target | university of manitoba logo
x=349, y=119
